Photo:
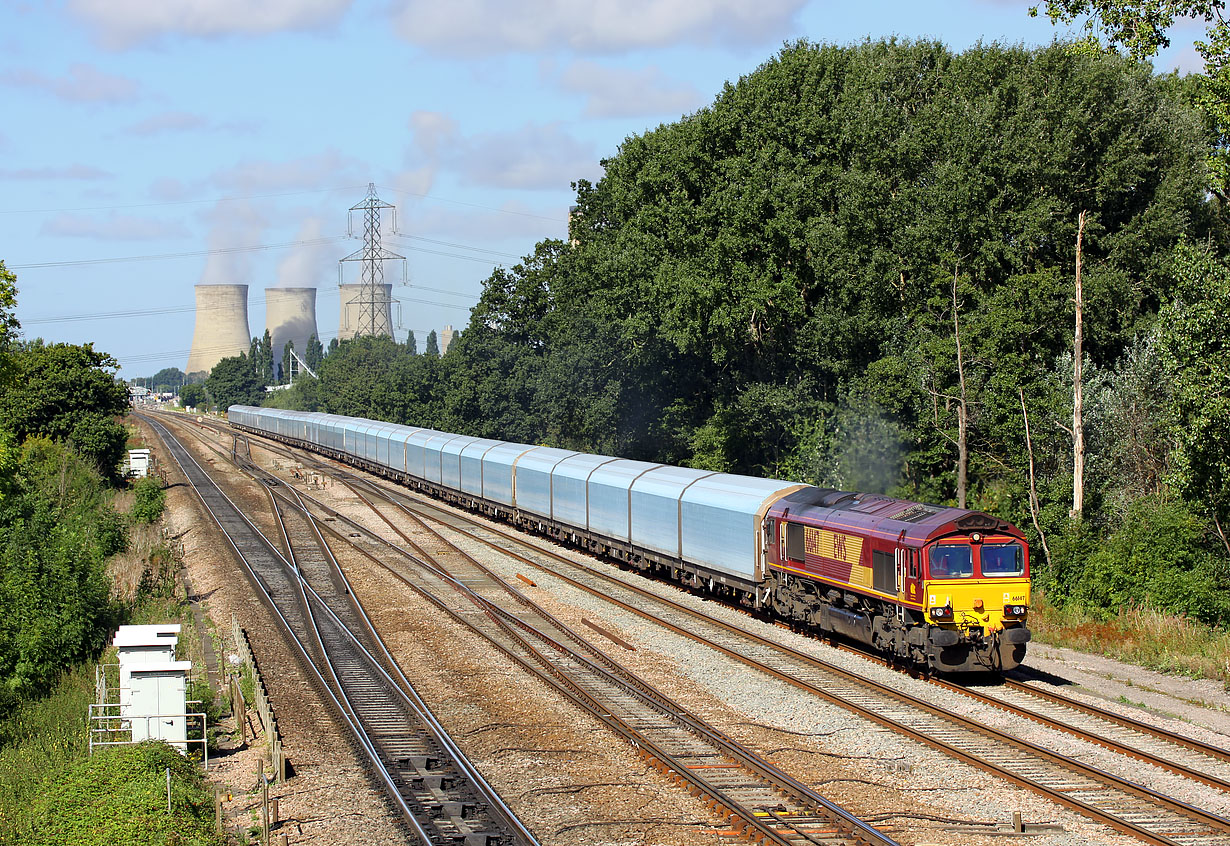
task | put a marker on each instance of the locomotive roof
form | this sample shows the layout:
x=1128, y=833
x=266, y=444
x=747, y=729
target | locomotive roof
x=897, y=519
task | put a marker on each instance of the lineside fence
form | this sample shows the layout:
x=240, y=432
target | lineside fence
x=264, y=708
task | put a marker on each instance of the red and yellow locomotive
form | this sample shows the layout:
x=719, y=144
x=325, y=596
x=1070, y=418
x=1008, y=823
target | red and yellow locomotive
x=942, y=588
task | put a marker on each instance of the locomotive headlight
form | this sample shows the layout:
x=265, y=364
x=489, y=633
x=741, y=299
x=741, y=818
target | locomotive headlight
x=941, y=613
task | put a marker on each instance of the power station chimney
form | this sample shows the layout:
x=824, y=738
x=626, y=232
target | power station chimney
x=290, y=315
x=353, y=316
x=221, y=326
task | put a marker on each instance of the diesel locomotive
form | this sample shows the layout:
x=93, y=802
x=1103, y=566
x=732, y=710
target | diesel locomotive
x=938, y=588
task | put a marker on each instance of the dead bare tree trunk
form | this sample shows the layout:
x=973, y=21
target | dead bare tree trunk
x=1221, y=532
x=962, y=408
x=1033, y=488
x=1078, y=400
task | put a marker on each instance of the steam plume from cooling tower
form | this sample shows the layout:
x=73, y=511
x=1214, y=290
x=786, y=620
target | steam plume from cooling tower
x=290, y=315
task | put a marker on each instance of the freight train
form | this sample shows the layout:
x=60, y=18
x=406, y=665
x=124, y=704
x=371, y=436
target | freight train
x=937, y=588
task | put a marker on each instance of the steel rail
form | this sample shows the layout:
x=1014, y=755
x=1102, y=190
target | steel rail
x=187, y=467
x=486, y=794
x=747, y=819
x=1085, y=734
x=1213, y=821
x=736, y=751
x=402, y=686
x=567, y=685
x=1119, y=719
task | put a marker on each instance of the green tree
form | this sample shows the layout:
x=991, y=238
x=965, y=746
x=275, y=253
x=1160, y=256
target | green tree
x=411, y=343
x=1142, y=27
x=1195, y=346
x=363, y=378
x=167, y=379
x=8, y=302
x=810, y=223
x=432, y=348
x=264, y=361
x=315, y=353
x=192, y=396
x=234, y=381
x=70, y=393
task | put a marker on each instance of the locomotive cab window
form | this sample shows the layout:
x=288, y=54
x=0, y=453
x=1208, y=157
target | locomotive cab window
x=951, y=561
x=795, y=545
x=1002, y=559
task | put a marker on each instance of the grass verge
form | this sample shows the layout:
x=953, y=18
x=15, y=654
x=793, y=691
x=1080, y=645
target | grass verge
x=1139, y=636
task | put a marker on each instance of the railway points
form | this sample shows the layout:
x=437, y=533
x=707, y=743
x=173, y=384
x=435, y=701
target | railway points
x=1148, y=818
x=441, y=796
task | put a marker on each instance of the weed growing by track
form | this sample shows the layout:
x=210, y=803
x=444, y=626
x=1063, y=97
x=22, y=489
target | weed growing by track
x=1139, y=636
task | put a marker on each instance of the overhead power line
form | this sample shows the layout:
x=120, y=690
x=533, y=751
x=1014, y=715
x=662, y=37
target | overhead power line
x=181, y=309
x=141, y=358
x=165, y=203
x=156, y=257
x=311, y=242
x=472, y=205
x=458, y=246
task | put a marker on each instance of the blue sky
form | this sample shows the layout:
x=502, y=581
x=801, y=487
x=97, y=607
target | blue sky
x=147, y=147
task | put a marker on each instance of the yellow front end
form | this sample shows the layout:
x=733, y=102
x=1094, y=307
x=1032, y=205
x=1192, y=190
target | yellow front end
x=988, y=618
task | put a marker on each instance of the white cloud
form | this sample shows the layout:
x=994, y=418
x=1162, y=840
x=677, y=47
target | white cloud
x=123, y=23
x=168, y=122
x=534, y=156
x=480, y=227
x=626, y=92
x=327, y=169
x=432, y=131
x=167, y=189
x=113, y=227
x=479, y=26
x=83, y=84
x=76, y=172
x=187, y=122
x=414, y=181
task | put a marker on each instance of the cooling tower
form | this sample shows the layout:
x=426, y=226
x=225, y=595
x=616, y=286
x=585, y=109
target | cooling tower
x=221, y=325
x=348, y=325
x=290, y=315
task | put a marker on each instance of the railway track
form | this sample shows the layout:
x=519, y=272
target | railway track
x=752, y=796
x=442, y=797
x=1122, y=804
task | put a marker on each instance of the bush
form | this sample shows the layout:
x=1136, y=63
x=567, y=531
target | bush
x=37, y=740
x=100, y=440
x=1160, y=557
x=56, y=530
x=119, y=796
x=149, y=499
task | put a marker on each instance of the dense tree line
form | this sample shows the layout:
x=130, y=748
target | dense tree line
x=60, y=447
x=856, y=268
